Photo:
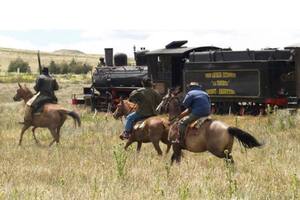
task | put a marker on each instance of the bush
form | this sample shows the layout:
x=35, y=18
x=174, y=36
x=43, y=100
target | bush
x=54, y=68
x=72, y=67
x=19, y=64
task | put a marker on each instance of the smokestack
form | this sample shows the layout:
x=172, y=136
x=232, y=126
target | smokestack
x=109, y=56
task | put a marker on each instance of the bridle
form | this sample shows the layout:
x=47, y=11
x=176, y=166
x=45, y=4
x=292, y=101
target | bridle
x=24, y=94
x=124, y=108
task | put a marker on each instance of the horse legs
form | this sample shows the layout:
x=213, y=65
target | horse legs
x=24, y=128
x=177, y=153
x=168, y=143
x=55, y=136
x=34, y=136
x=168, y=148
x=139, y=146
x=128, y=143
x=157, y=147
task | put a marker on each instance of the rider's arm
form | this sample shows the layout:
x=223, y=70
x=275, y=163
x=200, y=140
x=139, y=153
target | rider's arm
x=184, y=113
x=55, y=86
x=187, y=102
x=37, y=85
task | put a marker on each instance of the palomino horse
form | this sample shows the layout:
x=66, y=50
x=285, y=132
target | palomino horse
x=52, y=117
x=153, y=129
x=212, y=135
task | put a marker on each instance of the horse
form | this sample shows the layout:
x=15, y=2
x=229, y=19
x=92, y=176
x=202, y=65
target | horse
x=152, y=129
x=212, y=135
x=52, y=117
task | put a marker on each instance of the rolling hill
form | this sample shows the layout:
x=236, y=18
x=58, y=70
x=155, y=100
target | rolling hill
x=30, y=56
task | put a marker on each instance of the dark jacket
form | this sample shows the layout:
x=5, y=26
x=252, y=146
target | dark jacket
x=198, y=101
x=46, y=85
x=147, y=100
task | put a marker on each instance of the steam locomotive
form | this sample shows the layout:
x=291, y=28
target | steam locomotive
x=238, y=81
x=114, y=78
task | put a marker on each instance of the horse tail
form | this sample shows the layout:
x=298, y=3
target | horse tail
x=75, y=116
x=72, y=114
x=245, y=138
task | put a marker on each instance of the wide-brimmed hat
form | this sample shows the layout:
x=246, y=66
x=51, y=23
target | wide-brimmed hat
x=45, y=70
x=147, y=82
x=192, y=84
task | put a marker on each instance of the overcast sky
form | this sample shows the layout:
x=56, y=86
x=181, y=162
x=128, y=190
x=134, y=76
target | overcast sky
x=92, y=25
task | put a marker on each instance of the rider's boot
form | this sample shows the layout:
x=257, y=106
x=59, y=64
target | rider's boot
x=182, y=139
x=125, y=135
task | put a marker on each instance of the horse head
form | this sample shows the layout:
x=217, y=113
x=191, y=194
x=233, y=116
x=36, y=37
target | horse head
x=22, y=93
x=119, y=112
x=171, y=103
x=124, y=107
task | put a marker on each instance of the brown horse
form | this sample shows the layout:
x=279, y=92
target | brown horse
x=212, y=135
x=52, y=117
x=153, y=129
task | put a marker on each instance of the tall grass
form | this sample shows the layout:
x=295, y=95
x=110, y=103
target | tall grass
x=89, y=163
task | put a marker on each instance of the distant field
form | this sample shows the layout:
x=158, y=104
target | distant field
x=7, y=55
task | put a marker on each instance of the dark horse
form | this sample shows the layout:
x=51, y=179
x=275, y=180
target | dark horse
x=212, y=135
x=152, y=129
x=52, y=117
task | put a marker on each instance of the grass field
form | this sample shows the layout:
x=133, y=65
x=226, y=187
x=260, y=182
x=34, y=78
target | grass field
x=7, y=55
x=90, y=162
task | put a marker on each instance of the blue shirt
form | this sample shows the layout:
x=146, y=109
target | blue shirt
x=198, y=101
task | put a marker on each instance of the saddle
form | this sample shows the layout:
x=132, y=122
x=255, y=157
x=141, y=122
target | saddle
x=140, y=124
x=197, y=124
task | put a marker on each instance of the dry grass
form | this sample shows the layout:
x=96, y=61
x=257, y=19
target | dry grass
x=7, y=55
x=88, y=162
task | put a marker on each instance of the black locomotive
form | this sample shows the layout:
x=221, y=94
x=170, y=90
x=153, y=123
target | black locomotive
x=114, y=78
x=237, y=81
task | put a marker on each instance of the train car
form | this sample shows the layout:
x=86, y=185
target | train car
x=165, y=66
x=245, y=81
x=242, y=82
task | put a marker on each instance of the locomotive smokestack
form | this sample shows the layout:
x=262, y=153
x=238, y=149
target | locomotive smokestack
x=109, y=56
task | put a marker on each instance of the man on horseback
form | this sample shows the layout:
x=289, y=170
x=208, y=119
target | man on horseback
x=197, y=104
x=45, y=86
x=147, y=99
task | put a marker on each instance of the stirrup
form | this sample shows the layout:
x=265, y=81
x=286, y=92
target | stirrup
x=124, y=136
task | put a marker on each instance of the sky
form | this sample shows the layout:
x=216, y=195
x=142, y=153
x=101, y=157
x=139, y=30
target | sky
x=92, y=25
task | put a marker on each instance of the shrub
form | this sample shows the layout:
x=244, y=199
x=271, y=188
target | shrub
x=54, y=68
x=64, y=68
x=19, y=64
x=72, y=67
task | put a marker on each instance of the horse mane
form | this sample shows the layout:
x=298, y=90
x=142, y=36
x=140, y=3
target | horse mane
x=130, y=104
x=27, y=90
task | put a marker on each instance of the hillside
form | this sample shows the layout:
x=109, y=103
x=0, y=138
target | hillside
x=68, y=51
x=30, y=56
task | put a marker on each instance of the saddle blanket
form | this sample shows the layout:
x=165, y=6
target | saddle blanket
x=197, y=124
x=30, y=101
x=140, y=124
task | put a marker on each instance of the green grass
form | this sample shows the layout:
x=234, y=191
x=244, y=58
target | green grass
x=90, y=164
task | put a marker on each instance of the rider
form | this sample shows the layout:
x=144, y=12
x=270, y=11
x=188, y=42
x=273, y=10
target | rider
x=147, y=100
x=45, y=86
x=197, y=104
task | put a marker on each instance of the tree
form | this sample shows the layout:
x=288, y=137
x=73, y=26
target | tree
x=54, y=68
x=20, y=64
